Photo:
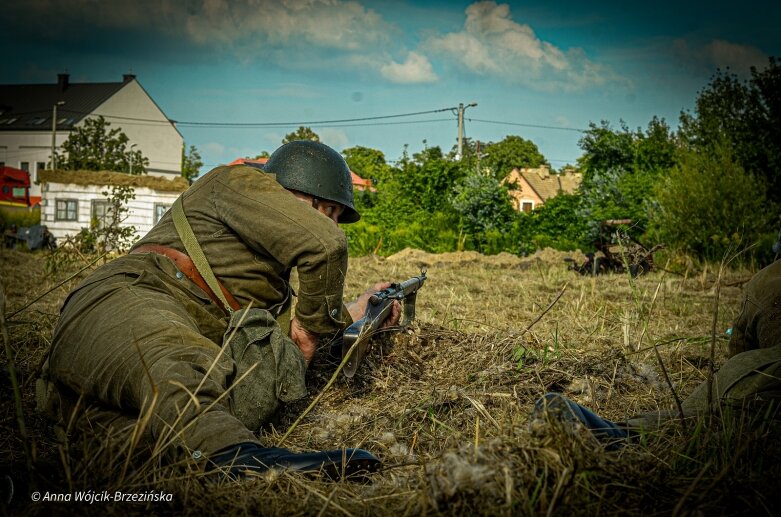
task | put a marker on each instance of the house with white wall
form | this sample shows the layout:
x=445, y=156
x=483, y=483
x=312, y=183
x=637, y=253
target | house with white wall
x=72, y=200
x=27, y=112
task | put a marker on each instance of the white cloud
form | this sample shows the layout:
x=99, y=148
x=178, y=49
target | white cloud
x=273, y=139
x=492, y=43
x=293, y=90
x=415, y=69
x=249, y=24
x=723, y=54
x=334, y=24
x=332, y=137
x=213, y=148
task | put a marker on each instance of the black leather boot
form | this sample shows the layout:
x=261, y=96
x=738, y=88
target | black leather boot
x=336, y=464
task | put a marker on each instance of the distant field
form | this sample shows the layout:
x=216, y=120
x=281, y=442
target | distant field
x=445, y=403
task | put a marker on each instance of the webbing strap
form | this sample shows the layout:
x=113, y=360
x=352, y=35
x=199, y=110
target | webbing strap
x=195, y=252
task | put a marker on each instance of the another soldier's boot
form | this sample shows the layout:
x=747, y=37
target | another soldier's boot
x=336, y=464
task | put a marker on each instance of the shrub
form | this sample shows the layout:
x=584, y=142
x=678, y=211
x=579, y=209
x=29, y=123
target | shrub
x=708, y=205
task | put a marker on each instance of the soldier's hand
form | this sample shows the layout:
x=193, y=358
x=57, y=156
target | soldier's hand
x=357, y=308
x=305, y=340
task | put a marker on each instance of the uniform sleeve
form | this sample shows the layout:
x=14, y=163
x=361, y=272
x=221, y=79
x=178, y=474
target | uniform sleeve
x=270, y=219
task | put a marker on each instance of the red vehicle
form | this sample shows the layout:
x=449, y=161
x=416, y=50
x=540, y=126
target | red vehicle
x=14, y=187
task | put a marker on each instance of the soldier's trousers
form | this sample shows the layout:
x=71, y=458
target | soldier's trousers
x=138, y=342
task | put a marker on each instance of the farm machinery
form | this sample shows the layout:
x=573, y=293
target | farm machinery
x=616, y=252
x=31, y=238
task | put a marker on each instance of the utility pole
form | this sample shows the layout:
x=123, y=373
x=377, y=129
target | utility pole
x=130, y=171
x=54, y=133
x=477, y=151
x=461, y=109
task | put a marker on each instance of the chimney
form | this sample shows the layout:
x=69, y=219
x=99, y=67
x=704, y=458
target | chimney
x=62, y=81
x=126, y=78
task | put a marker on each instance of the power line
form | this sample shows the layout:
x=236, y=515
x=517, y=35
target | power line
x=306, y=123
x=539, y=126
x=332, y=123
x=315, y=125
x=252, y=125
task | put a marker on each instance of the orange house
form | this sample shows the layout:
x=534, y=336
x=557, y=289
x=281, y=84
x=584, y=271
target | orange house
x=536, y=186
x=358, y=182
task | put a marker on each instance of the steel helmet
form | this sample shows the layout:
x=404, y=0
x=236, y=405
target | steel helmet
x=315, y=169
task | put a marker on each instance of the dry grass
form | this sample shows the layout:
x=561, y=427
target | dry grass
x=445, y=404
x=175, y=184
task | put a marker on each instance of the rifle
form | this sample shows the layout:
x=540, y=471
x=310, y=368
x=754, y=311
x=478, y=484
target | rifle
x=358, y=335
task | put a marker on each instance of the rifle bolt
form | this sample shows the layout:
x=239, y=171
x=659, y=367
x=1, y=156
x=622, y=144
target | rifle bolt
x=334, y=313
x=179, y=275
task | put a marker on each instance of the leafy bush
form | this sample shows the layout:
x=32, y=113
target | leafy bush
x=21, y=217
x=708, y=205
x=485, y=210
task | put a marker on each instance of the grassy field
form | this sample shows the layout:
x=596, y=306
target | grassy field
x=445, y=404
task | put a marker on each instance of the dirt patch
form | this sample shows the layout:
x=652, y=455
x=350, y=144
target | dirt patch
x=421, y=258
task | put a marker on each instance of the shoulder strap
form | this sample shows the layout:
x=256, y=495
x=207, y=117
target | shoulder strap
x=193, y=249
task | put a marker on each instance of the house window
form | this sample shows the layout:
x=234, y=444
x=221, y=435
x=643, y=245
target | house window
x=67, y=210
x=527, y=206
x=25, y=166
x=40, y=166
x=160, y=210
x=101, y=214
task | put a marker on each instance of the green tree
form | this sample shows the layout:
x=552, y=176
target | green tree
x=656, y=149
x=605, y=148
x=747, y=115
x=191, y=163
x=302, y=133
x=621, y=168
x=429, y=177
x=556, y=224
x=512, y=152
x=485, y=210
x=94, y=147
x=709, y=204
x=367, y=162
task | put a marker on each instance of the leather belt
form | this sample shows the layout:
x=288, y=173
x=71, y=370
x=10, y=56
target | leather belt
x=186, y=266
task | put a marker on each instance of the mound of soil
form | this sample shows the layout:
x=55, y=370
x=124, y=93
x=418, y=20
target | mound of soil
x=502, y=260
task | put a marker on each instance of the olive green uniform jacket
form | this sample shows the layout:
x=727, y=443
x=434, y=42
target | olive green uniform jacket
x=142, y=346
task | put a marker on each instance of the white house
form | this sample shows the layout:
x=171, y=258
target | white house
x=72, y=200
x=26, y=112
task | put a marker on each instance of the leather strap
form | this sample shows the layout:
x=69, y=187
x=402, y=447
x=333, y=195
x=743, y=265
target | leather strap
x=186, y=266
x=195, y=252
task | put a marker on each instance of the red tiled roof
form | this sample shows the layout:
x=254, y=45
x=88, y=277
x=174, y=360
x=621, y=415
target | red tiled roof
x=358, y=182
x=242, y=161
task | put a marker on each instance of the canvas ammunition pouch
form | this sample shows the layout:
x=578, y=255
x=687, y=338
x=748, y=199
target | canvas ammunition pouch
x=270, y=368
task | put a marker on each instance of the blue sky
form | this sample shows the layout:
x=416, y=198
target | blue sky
x=558, y=64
